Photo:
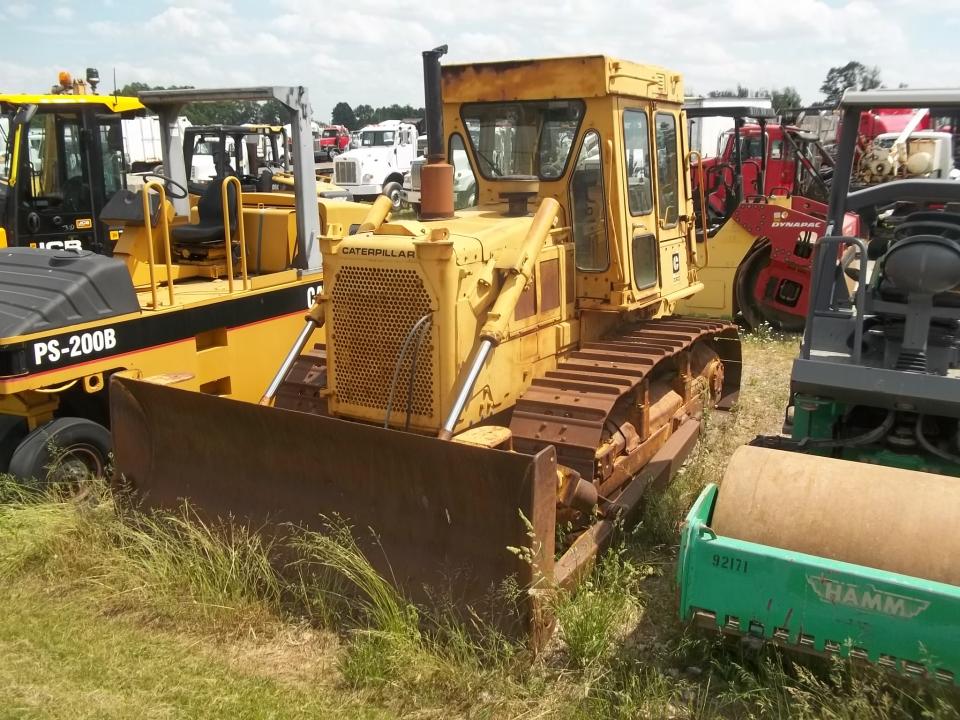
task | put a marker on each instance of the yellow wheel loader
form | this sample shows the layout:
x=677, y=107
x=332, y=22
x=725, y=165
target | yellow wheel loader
x=506, y=376
x=218, y=298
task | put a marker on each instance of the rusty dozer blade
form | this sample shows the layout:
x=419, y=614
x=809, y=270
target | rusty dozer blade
x=445, y=514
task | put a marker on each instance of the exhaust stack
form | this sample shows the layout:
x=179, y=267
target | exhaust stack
x=436, y=177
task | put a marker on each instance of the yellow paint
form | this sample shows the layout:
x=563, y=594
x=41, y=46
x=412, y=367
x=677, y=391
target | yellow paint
x=110, y=103
x=454, y=269
x=727, y=250
x=237, y=362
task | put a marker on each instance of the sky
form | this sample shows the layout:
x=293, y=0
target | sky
x=368, y=51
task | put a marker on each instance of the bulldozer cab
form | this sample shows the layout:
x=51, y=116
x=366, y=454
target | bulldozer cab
x=63, y=160
x=611, y=153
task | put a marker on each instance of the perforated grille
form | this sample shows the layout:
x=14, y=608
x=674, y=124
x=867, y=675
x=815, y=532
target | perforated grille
x=345, y=172
x=373, y=310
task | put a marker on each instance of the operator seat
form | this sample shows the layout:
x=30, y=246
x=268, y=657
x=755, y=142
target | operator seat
x=210, y=229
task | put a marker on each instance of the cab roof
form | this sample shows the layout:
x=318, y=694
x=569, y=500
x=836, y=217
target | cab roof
x=251, y=129
x=584, y=76
x=109, y=103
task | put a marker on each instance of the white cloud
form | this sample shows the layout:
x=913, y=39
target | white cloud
x=369, y=50
x=63, y=13
x=17, y=10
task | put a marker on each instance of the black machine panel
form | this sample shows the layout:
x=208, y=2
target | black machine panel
x=46, y=289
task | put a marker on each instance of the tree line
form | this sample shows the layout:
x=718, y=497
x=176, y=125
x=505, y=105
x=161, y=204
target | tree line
x=854, y=75
x=361, y=115
x=227, y=112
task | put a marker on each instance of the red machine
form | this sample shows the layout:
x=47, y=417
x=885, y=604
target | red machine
x=761, y=216
x=334, y=139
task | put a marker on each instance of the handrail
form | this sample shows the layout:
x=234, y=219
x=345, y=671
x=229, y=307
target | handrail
x=153, y=185
x=228, y=240
x=703, y=206
x=819, y=296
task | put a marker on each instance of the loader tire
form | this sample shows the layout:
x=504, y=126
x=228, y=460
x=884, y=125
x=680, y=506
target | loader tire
x=65, y=450
x=12, y=432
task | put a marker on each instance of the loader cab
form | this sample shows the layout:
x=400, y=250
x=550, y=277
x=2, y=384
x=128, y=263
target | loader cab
x=63, y=160
x=613, y=158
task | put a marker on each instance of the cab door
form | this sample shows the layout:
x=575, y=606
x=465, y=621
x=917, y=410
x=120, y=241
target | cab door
x=642, y=227
x=56, y=208
x=669, y=195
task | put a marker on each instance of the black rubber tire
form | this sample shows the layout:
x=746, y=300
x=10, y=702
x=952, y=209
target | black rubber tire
x=332, y=154
x=752, y=313
x=12, y=432
x=65, y=450
x=394, y=191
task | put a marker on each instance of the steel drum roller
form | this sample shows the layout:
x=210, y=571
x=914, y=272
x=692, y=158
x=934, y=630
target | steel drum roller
x=898, y=520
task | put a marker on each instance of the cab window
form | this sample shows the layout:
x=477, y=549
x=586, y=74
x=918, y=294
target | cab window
x=6, y=148
x=464, y=181
x=636, y=140
x=588, y=205
x=111, y=155
x=667, y=181
x=55, y=162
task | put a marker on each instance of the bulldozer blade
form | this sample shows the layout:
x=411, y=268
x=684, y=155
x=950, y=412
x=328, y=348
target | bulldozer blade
x=444, y=515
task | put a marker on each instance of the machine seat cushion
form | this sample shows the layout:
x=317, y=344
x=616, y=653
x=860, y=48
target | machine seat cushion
x=210, y=229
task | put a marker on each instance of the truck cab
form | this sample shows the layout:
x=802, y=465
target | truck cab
x=334, y=139
x=376, y=166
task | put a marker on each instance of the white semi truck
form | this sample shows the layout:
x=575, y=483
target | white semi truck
x=386, y=151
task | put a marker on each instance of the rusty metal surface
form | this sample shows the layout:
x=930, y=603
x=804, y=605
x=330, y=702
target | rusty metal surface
x=568, y=408
x=444, y=513
x=549, y=284
x=302, y=388
x=577, y=560
x=877, y=516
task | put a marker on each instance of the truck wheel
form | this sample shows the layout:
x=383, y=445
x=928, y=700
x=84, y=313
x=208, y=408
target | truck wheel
x=65, y=450
x=394, y=191
x=332, y=154
x=12, y=432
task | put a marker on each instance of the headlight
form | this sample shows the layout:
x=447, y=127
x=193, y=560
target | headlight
x=368, y=177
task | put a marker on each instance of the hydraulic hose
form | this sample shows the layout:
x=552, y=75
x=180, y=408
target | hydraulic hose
x=401, y=356
x=867, y=438
x=930, y=447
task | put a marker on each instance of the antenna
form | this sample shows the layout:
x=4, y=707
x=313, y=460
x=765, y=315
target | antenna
x=115, y=99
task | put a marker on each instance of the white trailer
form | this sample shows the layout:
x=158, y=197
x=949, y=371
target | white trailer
x=143, y=141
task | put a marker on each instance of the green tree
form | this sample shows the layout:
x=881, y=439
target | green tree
x=133, y=89
x=785, y=98
x=741, y=91
x=364, y=115
x=854, y=75
x=272, y=112
x=343, y=115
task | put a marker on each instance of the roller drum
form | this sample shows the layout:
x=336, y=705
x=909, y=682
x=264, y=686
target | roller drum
x=901, y=521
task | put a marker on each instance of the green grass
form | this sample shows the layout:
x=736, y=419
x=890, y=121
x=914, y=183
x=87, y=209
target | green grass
x=106, y=613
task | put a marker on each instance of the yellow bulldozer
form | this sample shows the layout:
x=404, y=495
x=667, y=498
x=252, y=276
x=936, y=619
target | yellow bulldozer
x=488, y=376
